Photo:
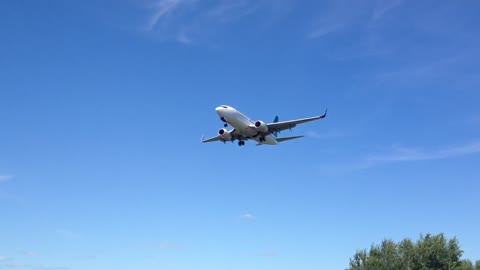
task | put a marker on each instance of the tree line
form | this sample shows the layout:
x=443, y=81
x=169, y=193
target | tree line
x=429, y=252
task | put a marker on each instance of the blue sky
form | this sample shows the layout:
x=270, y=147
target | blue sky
x=103, y=104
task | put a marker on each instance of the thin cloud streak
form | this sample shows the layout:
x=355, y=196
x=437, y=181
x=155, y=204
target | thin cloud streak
x=5, y=178
x=4, y=258
x=67, y=234
x=30, y=253
x=162, y=9
x=248, y=216
x=330, y=134
x=163, y=245
x=188, y=21
x=267, y=254
x=324, y=30
x=404, y=154
x=384, y=7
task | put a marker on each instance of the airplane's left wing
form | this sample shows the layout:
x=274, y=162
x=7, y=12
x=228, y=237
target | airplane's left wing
x=279, y=126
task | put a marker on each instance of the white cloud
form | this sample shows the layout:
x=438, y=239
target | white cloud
x=37, y=267
x=164, y=245
x=161, y=9
x=67, y=234
x=5, y=178
x=189, y=21
x=399, y=154
x=333, y=133
x=336, y=16
x=248, y=216
x=30, y=253
x=4, y=258
x=324, y=30
x=267, y=254
x=404, y=154
x=383, y=7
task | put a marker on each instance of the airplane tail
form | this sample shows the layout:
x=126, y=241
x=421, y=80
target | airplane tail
x=275, y=121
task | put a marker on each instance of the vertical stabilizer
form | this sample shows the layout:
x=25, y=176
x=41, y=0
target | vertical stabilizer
x=275, y=120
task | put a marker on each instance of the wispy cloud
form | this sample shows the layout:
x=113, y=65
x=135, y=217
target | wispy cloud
x=86, y=257
x=4, y=258
x=330, y=134
x=335, y=16
x=162, y=245
x=406, y=154
x=248, y=216
x=324, y=30
x=383, y=7
x=29, y=253
x=267, y=254
x=30, y=266
x=5, y=178
x=398, y=154
x=414, y=154
x=161, y=9
x=67, y=234
x=187, y=21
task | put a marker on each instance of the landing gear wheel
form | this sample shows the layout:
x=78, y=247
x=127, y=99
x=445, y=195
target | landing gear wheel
x=240, y=143
x=225, y=125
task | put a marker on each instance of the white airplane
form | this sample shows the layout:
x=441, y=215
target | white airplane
x=246, y=129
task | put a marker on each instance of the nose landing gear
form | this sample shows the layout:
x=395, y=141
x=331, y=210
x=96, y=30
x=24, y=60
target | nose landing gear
x=240, y=143
x=225, y=121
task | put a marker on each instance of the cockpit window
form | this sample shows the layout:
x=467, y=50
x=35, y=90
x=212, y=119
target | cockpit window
x=225, y=107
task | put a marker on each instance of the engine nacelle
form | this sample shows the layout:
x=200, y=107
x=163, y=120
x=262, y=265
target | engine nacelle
x=261, y=126
x=225, y=134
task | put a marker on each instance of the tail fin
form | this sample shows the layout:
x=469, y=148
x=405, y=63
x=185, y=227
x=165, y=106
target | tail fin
x=275, y=121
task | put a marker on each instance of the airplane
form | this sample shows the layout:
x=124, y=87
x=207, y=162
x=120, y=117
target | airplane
x=245, y=129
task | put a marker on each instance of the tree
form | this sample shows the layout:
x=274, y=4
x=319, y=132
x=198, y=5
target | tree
x=430, y=252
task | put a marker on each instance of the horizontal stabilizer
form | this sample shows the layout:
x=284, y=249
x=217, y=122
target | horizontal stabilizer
x=288, y=138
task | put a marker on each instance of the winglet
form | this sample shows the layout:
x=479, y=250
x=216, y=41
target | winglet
x=324, y=114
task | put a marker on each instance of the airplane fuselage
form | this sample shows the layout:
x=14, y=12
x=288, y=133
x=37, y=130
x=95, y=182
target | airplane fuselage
x=243, y=125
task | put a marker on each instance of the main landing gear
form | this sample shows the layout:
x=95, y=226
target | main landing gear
x=240, y=143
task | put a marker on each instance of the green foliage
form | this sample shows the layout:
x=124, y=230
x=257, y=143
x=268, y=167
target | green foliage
x=430, y=252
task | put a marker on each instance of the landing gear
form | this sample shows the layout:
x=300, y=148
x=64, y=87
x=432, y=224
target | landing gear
x=240, y=143
x=262, y=139
x=225, y=121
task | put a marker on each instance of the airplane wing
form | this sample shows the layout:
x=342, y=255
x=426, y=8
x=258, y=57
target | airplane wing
x=279, y=126
x=235, y=136
x=212, y=139
x=282, y=139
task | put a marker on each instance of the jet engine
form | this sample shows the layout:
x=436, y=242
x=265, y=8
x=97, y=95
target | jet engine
x=225, y=134
x=261, y=126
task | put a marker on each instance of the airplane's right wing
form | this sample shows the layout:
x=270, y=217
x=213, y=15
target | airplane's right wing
x=282, y=139
x=234, y=135
x=212, y=139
